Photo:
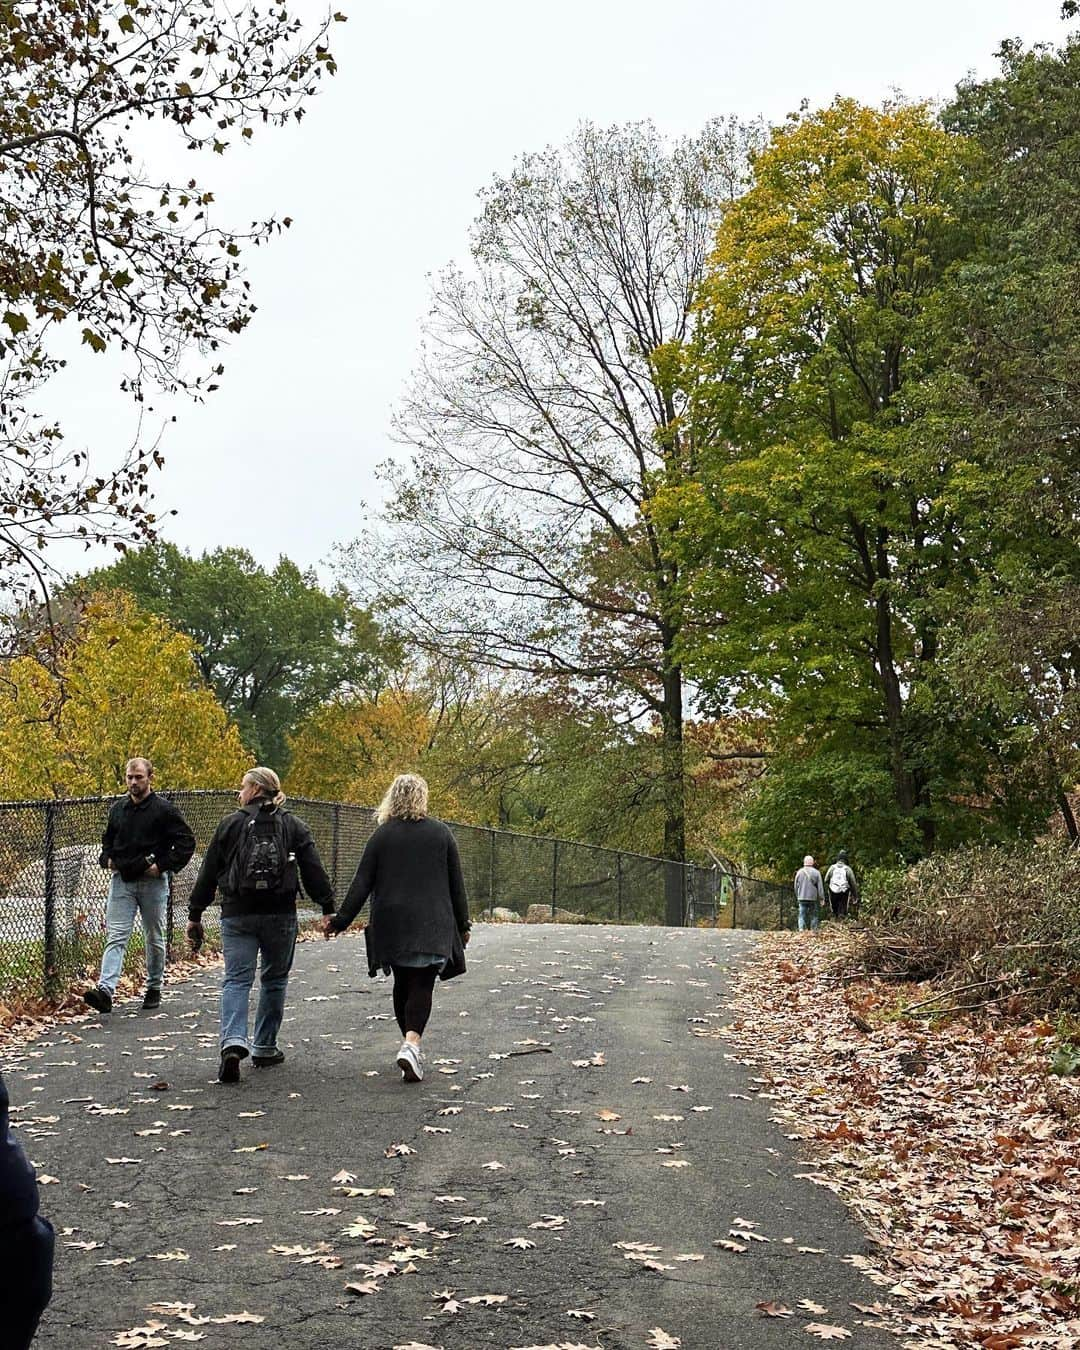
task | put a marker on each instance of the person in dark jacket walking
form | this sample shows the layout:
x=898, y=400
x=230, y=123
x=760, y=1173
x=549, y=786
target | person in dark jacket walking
x=257, y=859
x=145, y=839
x=26, y=1242
x=419, y=925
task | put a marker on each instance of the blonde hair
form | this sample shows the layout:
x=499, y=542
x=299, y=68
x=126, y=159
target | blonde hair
x=268, y=783
x=406, y=799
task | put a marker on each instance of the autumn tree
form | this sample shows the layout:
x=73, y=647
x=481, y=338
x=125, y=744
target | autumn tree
x=272, y=643
x=96, y=244
x=126, y=684
x=547, y=408
x=459, y=729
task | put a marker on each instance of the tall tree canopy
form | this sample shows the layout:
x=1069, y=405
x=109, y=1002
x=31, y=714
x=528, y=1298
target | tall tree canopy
x=125, y=684
x=1014, y=325
x=547, y=407
x=822, y=517
x=95, y=242
x=273, y=644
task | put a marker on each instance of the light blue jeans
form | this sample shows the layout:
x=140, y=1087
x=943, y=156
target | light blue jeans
x=809, y=916
x=149, y=898
x=245, y=938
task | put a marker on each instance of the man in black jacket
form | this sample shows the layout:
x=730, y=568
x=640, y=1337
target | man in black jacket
x=26, y=1242
x=145, y=838
x=254, y=860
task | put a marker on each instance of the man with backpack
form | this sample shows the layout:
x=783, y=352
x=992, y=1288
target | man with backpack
x=840, y=884
x=257, y=859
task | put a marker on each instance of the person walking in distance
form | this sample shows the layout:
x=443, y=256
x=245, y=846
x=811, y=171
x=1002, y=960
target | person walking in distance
x=810, y=893
x=419, y=924
x=841, y=886
x=256, y=860
x=145, y=838
x=26, y=1242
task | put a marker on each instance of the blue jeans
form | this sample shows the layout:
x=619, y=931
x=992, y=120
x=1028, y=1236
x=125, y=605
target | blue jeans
x=148, y=897
x=808, y=914
x=245, y=938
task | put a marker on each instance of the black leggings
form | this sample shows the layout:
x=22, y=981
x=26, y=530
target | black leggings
x=413, y=986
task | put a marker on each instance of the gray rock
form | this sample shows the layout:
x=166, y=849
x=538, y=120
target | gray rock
x=500, y=914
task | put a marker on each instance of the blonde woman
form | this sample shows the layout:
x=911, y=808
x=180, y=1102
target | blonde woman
x=256, y=859
x=419, y=924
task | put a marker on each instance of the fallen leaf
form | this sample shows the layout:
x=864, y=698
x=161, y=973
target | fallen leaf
x=773, y=1309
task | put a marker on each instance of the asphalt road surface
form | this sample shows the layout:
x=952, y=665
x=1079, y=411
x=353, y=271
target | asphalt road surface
x=560, y=1178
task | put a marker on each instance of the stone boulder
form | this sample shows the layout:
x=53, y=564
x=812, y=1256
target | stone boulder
x=543, y=914
x=500, y=914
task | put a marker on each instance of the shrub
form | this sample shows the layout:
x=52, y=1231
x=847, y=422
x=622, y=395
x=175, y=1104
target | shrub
x=994, y=923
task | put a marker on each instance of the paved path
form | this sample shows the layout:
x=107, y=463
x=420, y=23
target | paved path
x=519, y=1171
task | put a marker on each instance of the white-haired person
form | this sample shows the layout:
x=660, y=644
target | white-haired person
x=810, y=893
x=256, y=859
x=419, y=922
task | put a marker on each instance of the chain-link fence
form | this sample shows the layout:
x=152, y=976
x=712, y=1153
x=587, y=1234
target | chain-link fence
x=53, y=890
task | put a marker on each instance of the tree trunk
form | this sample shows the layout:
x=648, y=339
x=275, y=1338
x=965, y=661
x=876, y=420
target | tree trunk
x=1068, y=816
x=909, y=787
x=673, y=757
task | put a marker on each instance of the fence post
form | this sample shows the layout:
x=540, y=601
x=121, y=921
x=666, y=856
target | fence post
x=49, y=971
x=554, y=874
x=491, y=872
x=734, y=900
x=618, y=893
x=335, y=847
x=673, y=915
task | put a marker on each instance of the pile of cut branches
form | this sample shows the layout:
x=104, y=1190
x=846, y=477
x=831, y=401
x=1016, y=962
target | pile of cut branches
x=990, y=927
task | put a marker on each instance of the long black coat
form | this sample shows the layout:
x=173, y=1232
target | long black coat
x=411, y=870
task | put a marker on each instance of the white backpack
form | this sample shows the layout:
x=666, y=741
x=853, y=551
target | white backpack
x=838, y=878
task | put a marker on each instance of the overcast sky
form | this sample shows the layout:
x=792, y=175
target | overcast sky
x=433, y=97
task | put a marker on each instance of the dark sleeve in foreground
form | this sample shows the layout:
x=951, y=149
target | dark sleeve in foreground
x=18, y=1187
x=177, y=841
x=202, y=893
x=362, y=885
x=458, y=898
x=312, y=872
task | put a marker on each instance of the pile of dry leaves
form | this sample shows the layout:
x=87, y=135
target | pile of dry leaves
x=955, y=1146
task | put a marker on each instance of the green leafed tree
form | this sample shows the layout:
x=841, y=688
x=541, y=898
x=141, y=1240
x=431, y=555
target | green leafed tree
x=272, y=643
x=99, y=246
x=822, y=517
x=1013, y=385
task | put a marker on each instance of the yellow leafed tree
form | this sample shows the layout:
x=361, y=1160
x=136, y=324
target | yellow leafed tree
x=351, y=750
x=126, y=684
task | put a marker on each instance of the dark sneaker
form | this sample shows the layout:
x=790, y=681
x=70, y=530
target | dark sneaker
x=229, y=1068
x=100, y=999
x=268, y=1061
x=152, y=998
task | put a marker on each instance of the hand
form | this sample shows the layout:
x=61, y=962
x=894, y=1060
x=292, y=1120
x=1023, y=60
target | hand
x=328, y=931
x=195, y=935
x=465, y=937
x=153, y=870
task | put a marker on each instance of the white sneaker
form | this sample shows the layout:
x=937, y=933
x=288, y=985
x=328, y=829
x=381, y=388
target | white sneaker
x=410, y=1062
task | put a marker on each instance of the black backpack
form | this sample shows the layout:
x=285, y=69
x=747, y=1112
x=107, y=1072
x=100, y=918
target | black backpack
x=262, y=862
